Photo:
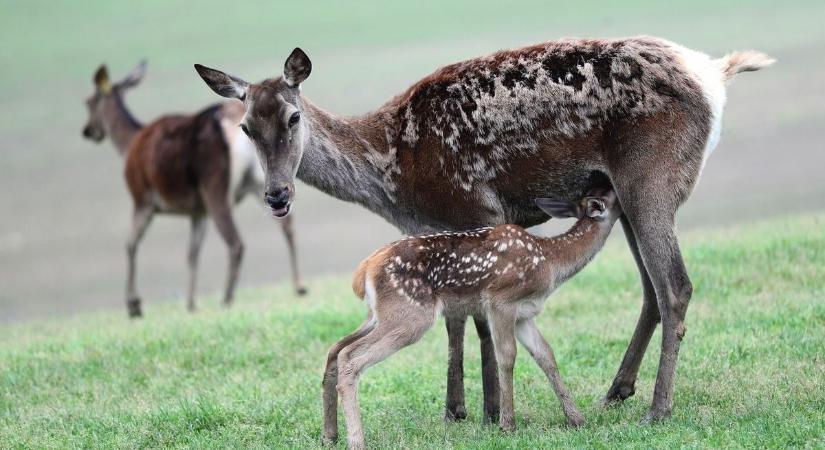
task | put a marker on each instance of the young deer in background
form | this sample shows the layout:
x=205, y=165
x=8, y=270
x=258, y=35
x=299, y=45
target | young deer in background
x=193, y=165
x=503, y=273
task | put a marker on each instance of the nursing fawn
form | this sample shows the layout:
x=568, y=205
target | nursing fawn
x=503, y=273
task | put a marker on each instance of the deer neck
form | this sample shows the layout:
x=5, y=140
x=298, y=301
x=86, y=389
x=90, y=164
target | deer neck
x=348, y=157
x=120, y=124
x=568, y=253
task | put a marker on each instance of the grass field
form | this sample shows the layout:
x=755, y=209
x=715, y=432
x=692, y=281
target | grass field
x=752, y=367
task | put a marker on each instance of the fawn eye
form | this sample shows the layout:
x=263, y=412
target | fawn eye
x=245, y=130
x=294, y=118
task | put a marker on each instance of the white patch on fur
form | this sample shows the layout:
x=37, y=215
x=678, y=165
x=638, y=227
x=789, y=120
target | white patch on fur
x=242, y=157
x=369, y=293
x=710, y=77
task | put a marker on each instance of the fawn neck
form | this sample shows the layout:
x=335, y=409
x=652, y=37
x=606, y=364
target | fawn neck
x=340, y=158
x=120, y=124
x=571, y=251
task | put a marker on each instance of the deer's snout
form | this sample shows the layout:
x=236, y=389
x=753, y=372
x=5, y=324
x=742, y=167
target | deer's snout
x=278, y=200
x=92, y=133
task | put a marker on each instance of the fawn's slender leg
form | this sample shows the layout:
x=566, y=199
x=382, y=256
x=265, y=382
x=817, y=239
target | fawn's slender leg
x=141, y=218
x=391, y=334
x=531, y=338
x=330, y=397
x=198, y=231
x=502, y=329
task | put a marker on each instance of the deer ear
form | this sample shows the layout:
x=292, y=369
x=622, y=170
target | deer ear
x=223, y=84
x=558, y=208
x=595, y=207
x=133, y=78
x=101, y=79
x=297, y=67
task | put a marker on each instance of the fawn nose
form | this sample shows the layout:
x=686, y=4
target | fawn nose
x=278, y=200
x=87, y=132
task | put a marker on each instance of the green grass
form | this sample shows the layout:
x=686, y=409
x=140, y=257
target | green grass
x=751, y=372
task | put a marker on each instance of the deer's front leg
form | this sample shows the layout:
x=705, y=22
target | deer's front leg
x=489, y=371
x=455, y=410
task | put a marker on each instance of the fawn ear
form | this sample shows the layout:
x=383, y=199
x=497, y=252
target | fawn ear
x=297, y=67
x=133, y=78
x=101, y=79
x=558, y=208
x=595, y=207
x=223, y=84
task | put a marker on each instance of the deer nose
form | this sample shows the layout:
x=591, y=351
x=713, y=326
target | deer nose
x=277, y=199
x=87, y=132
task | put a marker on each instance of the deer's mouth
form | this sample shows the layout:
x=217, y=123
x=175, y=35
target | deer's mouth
x=280, y=212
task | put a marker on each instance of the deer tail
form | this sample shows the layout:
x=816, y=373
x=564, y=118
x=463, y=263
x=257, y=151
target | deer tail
x=743, y=61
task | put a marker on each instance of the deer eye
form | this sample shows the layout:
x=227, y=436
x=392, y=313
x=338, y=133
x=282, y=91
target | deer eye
x=245, y=130
x=294, y=118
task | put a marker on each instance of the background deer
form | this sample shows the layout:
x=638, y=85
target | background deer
x=503, y=274
x=193, y=165
x=470, y=144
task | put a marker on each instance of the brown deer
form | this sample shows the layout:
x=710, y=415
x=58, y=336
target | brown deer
x=192, y=165
x=503, y=274
x=470, y=144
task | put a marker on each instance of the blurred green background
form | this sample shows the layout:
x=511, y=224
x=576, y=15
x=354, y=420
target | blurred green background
x=64, y=209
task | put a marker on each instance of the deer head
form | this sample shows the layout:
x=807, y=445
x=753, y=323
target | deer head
x=106, y=98
x=598, y=204
x=272, y=121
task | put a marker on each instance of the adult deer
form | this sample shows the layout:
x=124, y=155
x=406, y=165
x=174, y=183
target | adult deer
x=192, y=165
x=471, y=144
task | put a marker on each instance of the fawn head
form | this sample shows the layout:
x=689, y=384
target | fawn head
x=598, y=204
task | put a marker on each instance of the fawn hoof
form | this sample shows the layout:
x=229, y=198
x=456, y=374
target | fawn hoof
x=575, y=420
x=133, y=308
x=301, y=291
x=455, y=413
x=656, y=415
x=618, y=393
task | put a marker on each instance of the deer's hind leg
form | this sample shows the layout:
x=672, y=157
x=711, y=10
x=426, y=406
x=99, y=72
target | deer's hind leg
x=289, y=235
x=141, y=218
x=624, y=384
x=404, y=325
x=330, y=381
x=197, y=233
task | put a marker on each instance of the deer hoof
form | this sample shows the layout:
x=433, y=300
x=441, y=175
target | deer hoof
x=329, y=441
x=618, y=394
x=575, y=420
x=134, y=308
x=655, y=416
x=301, y=291
x=455, y=413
